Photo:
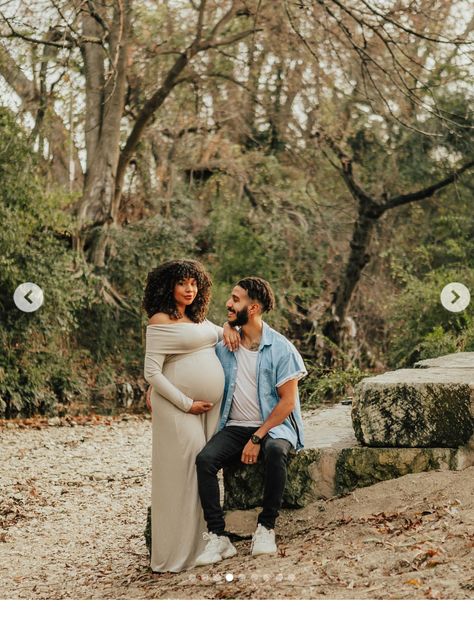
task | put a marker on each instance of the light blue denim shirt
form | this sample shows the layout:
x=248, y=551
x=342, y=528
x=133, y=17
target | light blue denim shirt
x=278, y=361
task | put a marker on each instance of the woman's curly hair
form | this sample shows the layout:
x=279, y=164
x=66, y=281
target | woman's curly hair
x=159, y=290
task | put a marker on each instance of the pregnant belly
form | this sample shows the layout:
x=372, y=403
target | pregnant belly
x=198, y=375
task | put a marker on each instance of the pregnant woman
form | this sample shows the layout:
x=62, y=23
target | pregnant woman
x=187, y=383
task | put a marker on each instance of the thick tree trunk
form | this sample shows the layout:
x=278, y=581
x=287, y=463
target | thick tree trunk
x=94, y=66
x=105, y=100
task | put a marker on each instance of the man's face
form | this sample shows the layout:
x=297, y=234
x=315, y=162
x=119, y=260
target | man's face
x=238, y=307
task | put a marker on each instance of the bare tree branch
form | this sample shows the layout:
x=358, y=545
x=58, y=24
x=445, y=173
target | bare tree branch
x=202, y=8
x=68, y=41
x=420, y=35
x=211, y=43
x=225, y=19
x=96, y=15
x=360, y=195
x=170, y=81
x=416, y=196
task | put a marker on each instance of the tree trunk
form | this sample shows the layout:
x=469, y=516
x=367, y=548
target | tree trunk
x=105, y=100
x=369, y=212
x=358, y=259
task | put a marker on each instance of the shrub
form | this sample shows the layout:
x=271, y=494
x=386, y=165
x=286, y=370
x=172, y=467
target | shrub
x=35, y=356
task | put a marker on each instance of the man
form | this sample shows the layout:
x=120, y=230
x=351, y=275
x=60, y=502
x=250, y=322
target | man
x=260, y=417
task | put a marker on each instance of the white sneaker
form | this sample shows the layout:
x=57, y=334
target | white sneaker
x=263, y=541
x=217, y=548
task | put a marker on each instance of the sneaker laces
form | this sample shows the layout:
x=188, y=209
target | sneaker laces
x=212, y=540
x=261, y=532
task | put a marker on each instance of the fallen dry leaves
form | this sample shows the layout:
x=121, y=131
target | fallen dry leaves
x=73, y=501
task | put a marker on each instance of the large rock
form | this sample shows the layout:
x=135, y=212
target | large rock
x=243, y=484
x=459, y=360
x=327, y=472
x=430, y=407
x=360, y=467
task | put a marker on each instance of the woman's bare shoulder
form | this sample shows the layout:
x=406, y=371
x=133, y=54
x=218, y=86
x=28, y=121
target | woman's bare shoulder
x=159, y=318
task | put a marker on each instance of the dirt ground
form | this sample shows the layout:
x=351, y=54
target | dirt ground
x=73, y=502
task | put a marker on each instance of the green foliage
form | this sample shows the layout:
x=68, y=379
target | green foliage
x=422, y=327
x=275, y=240
x=259, y=215
x=34, y=246
x=111, y=332
x=325, y=385
x=432, y=247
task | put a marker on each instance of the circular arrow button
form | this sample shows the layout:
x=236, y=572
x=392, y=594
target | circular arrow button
x=28, y=297
x=455, y=297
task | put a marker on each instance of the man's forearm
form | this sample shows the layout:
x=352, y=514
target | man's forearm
x=281, y=411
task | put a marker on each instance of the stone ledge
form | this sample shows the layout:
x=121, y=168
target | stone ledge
x=327, y=472
x=459, y=360
x=430, y=406
x=322, y=473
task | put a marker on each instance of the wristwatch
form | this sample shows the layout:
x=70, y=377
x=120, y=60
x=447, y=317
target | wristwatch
x=255, y=439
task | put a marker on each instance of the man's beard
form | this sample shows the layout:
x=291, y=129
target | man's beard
x=241, y=318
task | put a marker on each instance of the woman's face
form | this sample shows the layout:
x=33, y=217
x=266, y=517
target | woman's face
x=185, y=291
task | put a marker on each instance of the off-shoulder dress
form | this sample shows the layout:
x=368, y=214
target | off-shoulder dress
x=182, y=366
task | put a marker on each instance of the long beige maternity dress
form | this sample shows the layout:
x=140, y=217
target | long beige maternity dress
x=182, y=366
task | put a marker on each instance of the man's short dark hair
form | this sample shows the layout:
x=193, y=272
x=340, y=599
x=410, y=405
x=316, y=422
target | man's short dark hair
x=259, y=290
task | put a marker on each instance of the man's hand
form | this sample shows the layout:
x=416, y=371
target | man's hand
x=231, y=337
x=250, y=453
x=148, y=398
x=200, y=407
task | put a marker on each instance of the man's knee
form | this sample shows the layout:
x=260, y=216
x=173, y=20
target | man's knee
x=206, y=460
x=277, y=449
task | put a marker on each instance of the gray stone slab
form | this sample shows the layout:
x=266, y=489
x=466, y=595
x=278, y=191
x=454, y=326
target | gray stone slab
x=429, y=375
x=459, y=360
x=432, y=407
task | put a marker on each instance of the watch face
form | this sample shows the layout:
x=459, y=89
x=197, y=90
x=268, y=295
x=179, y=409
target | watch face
x=255, y=439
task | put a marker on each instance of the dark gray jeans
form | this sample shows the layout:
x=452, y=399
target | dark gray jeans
x=226, y=446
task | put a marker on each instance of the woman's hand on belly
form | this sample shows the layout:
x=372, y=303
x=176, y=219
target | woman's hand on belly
x=200, y=407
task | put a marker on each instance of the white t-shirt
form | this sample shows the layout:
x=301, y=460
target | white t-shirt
x=245, y=410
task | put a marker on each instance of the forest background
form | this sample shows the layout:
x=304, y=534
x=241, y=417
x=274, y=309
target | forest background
x=324, y=145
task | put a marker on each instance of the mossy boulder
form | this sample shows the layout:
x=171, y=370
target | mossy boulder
x=361, y=467
x=323, y=473
x=432, y=407
x=243, y=484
